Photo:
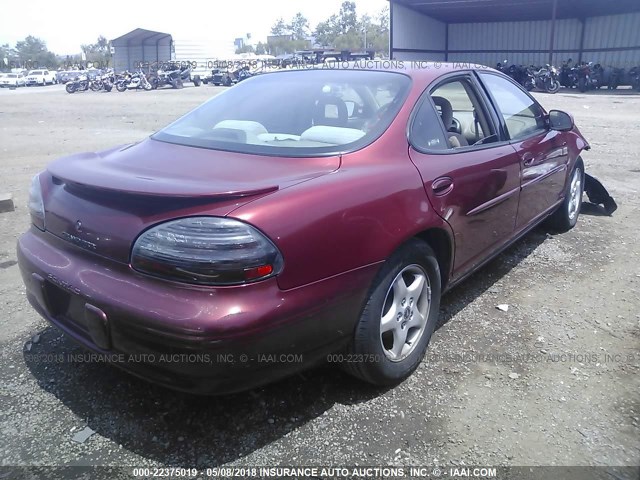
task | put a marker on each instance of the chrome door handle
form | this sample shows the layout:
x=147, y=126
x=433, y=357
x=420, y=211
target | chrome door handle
x=442, y=186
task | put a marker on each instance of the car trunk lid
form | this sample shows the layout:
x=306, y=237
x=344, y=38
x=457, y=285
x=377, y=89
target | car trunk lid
x=102, y=201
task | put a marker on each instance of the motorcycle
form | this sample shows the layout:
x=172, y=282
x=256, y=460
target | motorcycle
x=590, y=77
x=102, y=82
x=615, y=78
x=79, y=84
x=521, y=74
x=568, y=75
x=546, y=78
x=133, y=81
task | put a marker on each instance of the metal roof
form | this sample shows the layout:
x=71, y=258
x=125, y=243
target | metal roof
x=139, y=36
x=466, y=11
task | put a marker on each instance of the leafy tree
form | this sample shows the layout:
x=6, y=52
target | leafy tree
x=279, y=28
x=345, y=32
x=32, y=52
x=98, y=52
x=375, y=33
x=327, y=31
x=10, y=54
x=348, y=19
x=245, y=49
x=261, y=48
x=299, y=27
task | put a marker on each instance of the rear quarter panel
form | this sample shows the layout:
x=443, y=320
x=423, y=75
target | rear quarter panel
x=354, y=217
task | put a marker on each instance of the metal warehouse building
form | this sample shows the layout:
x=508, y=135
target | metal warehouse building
x=140, y=46
x=521, y=31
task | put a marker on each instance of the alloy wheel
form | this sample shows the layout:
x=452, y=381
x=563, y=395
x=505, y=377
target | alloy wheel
x=405, y=312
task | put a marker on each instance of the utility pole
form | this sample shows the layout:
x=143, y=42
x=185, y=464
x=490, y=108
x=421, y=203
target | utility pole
x=553, y=31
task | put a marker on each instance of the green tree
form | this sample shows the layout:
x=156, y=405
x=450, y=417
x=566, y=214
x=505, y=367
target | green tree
x=11, y=56
x=99, y=52
x=245, y=49
x=279, y=28
x=345, y=32
x=32, y=52
x=261, y=48
x=348, y=19
x=293, y=35
x=327, y=31
x=299, y=27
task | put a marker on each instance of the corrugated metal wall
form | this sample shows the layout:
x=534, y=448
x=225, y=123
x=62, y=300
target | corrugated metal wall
x=413, y=32
x=416, y=36
x=498, y=40
x=130, y=57
x=613, y=31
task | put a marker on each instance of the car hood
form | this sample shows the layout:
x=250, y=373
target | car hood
x=102, y=201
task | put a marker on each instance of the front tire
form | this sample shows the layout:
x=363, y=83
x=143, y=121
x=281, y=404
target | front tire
x=70, y=88
x=552, y=86
x=566, y=216
x=399, y=317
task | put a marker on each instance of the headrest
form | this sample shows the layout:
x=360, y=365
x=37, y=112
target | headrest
x=446, y=111
x=320, y=114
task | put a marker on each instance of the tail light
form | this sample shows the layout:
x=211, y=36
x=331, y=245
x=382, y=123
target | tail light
x=206, y=251
x=36, y=205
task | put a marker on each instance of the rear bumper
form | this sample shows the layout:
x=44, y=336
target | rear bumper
x=196, y=339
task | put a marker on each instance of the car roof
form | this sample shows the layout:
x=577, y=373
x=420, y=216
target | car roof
x=424, y=70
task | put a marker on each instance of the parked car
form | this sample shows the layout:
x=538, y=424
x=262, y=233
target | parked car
x=67, y=75
x=40, y=77
x=300, y=217
x=12, y=80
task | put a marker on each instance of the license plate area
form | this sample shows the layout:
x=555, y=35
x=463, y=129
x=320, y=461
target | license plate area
x=72, y=310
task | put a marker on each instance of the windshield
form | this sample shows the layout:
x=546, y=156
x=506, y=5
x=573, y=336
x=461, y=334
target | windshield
x=296, y=113
x=35, y=72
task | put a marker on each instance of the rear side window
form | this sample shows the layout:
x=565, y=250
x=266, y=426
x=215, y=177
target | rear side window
x=522, y=115
x=426, y=130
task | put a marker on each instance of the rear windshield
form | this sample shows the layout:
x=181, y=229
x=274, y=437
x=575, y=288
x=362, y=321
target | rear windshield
x=12, y=75
x=35, y=72
x=296, y=113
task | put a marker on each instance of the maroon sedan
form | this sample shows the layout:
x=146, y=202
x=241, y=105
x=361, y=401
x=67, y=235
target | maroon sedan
x=297, y=216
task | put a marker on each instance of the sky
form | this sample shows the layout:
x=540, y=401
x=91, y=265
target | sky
x=66, y=26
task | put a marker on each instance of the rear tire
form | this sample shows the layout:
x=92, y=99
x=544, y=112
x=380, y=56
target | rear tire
x=154, y=81
x=197, y=81
x=396, y=324
x=566, y=216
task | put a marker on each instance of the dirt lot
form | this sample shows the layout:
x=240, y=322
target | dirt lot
x=555, y=380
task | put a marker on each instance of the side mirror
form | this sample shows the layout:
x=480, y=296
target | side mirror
x=560, y=121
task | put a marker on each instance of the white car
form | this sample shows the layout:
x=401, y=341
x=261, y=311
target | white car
x=40, y=77
x=12, y=80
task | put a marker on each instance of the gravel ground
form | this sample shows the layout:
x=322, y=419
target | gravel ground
x=552, y=381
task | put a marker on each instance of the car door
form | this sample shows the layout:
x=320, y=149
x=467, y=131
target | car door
x=475, y=188
x=543, y=152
